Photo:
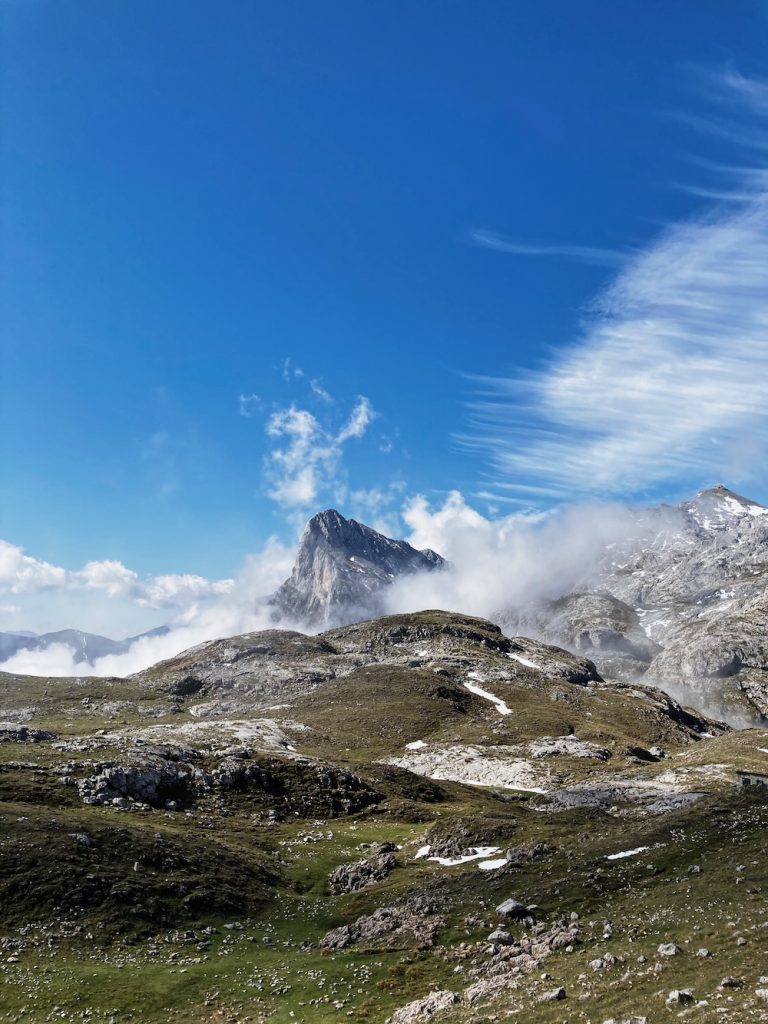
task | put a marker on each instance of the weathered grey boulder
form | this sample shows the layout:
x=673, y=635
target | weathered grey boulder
x=668, y=949
x=513, y=908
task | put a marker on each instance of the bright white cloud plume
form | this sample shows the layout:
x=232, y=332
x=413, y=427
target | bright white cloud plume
x=510, y=562
x=306, y=461
x=669, y=380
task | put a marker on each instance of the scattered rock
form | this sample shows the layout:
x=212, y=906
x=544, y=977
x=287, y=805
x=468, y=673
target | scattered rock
x=680, y=997
x=14, y=732
x=362, y=873
x=553, y=995
x=414, y=919
x=424, y=1009
x=668, y=949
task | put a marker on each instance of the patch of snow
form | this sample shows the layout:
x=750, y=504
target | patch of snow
x=480, y=853
x=422, y=852
x=763, y=750
x=524, y=661
x=501, y=707
x=416, y=745
x=492, y=865
x=737, y=508
x=627, y=853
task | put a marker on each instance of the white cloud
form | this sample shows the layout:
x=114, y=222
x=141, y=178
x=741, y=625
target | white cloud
x=174, y=589
x=358, y=422
x=247, y=403
x=20, y=573
x=669, y=380
x=112, y=577
x=512, y=561
x=306, y=461
x=23, y=574
x=320, y=392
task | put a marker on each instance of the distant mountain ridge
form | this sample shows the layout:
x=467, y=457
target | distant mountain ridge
x=341, y=569
x=86, y=647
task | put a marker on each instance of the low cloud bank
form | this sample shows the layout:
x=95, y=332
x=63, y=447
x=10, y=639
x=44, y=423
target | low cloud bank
x=241, y=607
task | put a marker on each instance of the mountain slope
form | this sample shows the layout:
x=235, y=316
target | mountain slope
x=341, y=568
x=684, y=599
x=307, y=828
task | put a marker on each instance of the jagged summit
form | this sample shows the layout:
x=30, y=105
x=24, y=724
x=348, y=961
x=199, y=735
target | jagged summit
x=341, y=567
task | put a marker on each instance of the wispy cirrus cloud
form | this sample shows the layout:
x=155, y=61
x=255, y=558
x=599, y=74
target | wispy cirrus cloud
x=582, y=253
x=668, y=379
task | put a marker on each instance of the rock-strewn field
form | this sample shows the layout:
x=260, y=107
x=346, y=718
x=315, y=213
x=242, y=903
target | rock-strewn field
x=409, y=819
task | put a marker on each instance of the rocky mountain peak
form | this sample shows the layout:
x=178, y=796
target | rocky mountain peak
x=341, y=568
x=718, y=508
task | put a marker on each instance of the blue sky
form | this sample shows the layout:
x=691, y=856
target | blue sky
x=263, y=258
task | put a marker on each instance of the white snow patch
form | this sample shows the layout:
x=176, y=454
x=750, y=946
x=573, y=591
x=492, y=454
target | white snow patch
x=627, y=853
x=501, y=707
x=524, y=661
x=416, y=745
x=422, y=852
x=492, y=865
x=480, y=853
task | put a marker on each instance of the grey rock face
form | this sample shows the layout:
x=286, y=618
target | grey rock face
x=424, y=1009
x=683, y=600
x=362, y=873
x=16, y=733
x=416, y=917
x=341, y=568
x=599, y=625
